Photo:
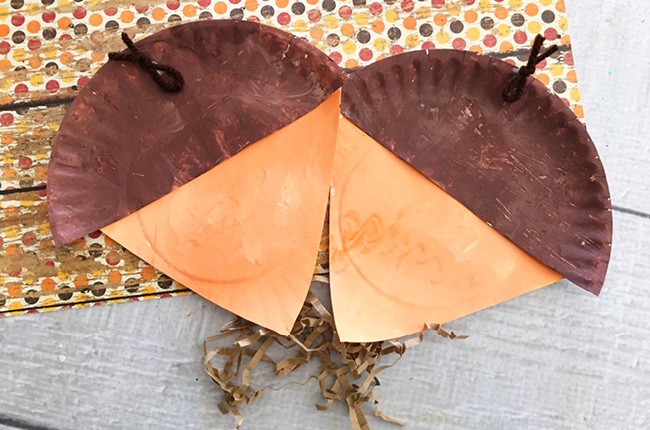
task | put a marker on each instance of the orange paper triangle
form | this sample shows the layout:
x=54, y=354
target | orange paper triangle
x=245, y=235
x=404, y=253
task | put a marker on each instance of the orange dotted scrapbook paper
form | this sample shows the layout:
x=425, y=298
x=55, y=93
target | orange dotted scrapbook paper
x=50, y=49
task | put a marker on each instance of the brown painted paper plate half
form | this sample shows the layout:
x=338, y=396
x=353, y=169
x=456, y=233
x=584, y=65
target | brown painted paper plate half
x=124, y=143
x=528, y=168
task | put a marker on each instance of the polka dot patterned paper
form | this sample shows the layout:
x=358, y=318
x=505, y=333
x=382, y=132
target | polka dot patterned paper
x=49, y=49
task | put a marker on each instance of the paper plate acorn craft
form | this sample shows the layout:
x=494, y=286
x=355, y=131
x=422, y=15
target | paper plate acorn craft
x=223, y=185
x=447, y=199
x=455, y=182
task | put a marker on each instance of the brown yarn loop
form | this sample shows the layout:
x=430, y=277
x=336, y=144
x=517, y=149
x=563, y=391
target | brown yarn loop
x=166, y=77
x=515, y=87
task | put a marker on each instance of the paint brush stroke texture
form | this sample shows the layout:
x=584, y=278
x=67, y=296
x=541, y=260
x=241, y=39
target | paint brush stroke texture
x=245, y=235
x=528, y=169
x=124, y=143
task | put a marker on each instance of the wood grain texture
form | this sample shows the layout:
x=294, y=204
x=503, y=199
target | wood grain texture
x=37, y=116
x=555, y=359
x=613, y=73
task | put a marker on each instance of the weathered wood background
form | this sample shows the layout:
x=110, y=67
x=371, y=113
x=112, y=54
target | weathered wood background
x=555, y=359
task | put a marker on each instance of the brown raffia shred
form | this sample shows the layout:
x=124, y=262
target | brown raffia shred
x=347, y=372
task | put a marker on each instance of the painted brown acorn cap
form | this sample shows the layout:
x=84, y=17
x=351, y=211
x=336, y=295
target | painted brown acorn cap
x=527, y=168
x=125, y=143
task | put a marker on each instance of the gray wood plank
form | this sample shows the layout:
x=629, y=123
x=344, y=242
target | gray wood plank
x=558, y=358
x=610, y=50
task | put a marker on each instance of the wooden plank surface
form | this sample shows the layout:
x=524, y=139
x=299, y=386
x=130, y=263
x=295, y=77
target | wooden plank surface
x=555, y=359
x=613, y=75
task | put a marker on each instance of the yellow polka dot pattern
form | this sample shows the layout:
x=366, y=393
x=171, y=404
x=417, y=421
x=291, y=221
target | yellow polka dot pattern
x=49, y=49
